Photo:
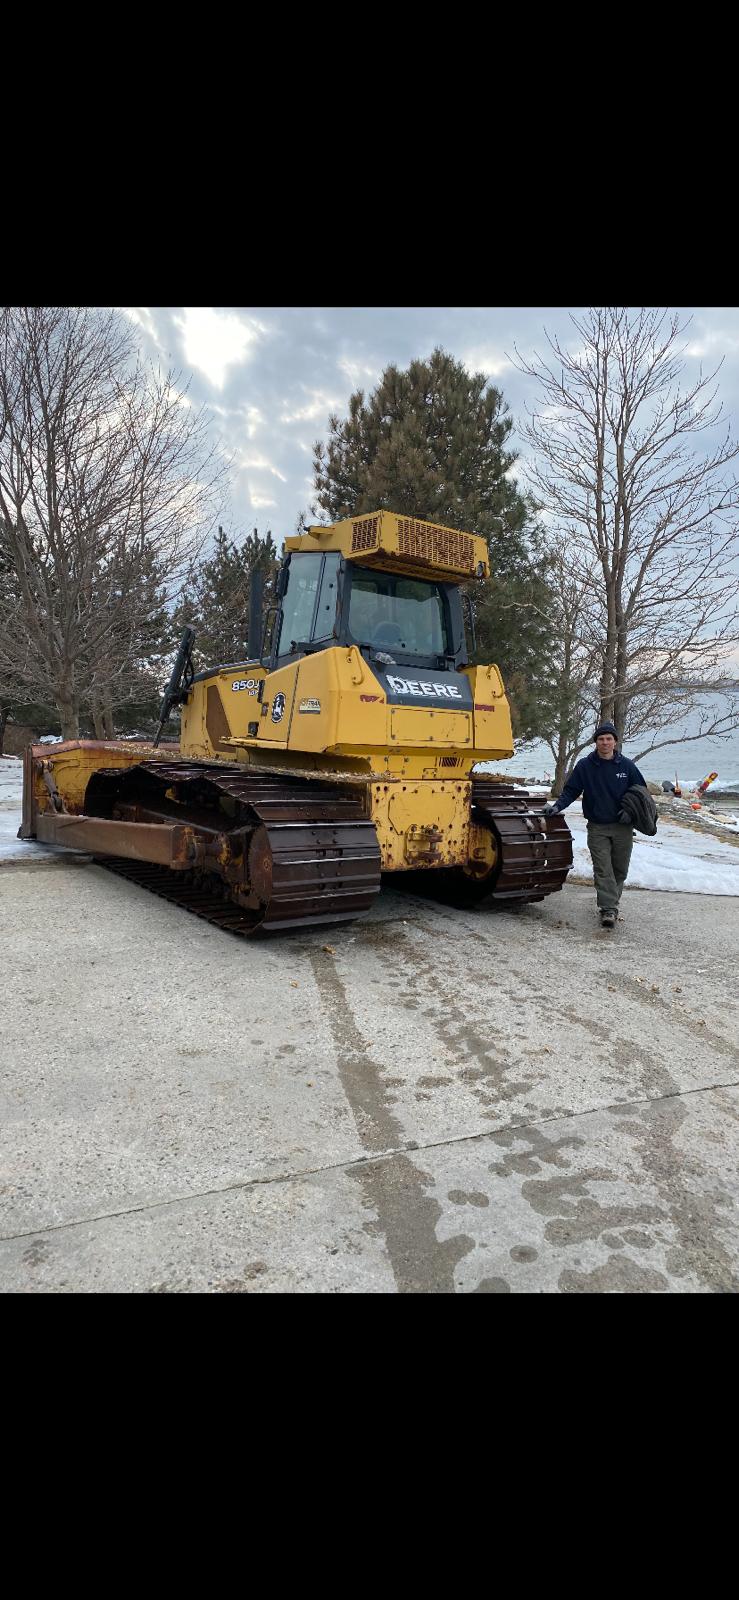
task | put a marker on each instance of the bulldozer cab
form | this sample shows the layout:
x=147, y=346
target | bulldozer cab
x=392, y=618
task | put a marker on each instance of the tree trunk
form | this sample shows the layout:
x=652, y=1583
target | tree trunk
x=97, y=720
x=620, y=698
x=69, y=717
x=108, y=723
x=560, y=769
x=3, y=719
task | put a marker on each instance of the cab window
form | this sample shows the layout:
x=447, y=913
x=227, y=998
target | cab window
x=326, y=609
x=299, y=601
x=309, y=600
x=396, y=614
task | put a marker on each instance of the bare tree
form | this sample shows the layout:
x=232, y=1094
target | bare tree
x=623, y=465
x=106, y=475
x=576, y=621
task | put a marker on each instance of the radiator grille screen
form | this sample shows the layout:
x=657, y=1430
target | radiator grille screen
x=442, y=547
x=364, y=534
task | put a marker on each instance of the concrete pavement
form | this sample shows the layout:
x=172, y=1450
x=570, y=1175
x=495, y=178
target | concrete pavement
x=429, y=1101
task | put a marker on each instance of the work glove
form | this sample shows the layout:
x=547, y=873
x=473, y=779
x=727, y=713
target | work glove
x=551, y=808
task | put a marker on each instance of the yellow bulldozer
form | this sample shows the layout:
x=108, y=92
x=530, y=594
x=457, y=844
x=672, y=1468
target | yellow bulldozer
x=343, y=748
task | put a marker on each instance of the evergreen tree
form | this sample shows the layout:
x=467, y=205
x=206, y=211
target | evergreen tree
x=126, y=678
x=432, y=442
x=16, y=705
x=217, y=594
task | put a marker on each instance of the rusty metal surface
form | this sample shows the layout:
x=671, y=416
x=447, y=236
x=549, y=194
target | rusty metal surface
x=27, y=828
x=259, y=852
x=535, y=852
x=130, y=746
x=56, y=798
x=169, y=845
x=304, y=853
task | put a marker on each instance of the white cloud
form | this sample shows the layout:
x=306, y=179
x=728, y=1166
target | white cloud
x=357, y=373
x=254, y=418
x=712, y=343
x=262, y=464
x=143, y=318
x=486, y=358
x=259, y=501
x=319, y=406
x=216, y=340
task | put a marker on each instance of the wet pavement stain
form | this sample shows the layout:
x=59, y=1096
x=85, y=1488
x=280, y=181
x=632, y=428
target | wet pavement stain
x=479, y=1063
x=685, y=1220
x=241, y=1285
x=396, y=1190
x=583, y=1217
x=547, y=1148
x=461, y=1197
x=361, y=1076
x=620, y=1275
x=677, y=1014
x=37, y=1253
x=407, y=1216
x=695, y=1215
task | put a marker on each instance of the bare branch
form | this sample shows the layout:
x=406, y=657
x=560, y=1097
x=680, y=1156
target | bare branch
x=109, y=485
x=647, y=504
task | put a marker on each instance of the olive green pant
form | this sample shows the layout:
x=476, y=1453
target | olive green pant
x=610, y=845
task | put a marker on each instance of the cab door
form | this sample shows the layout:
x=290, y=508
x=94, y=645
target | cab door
x=306, y=619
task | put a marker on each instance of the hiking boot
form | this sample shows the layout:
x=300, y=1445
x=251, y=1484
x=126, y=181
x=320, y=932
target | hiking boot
x=608, y=919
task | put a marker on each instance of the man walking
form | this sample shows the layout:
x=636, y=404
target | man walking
x=602, y=779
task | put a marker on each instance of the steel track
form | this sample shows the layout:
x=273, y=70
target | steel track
x=314, y=857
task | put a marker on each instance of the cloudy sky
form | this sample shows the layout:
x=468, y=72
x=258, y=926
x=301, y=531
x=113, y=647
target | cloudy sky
x=271, y=375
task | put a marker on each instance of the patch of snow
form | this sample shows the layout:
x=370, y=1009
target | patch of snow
x=14, y=849
x=726, y=820
x=11, y=801
x=676, y=860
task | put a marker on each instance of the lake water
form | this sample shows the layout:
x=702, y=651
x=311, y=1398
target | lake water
x=692, y=760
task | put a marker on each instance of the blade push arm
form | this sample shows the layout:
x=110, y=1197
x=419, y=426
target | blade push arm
x=180, y=680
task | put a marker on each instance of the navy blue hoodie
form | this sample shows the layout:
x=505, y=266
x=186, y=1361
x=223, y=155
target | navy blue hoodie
x=602, y=785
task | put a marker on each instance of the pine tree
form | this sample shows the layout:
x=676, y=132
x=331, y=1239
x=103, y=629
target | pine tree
x=127, y=676
x=432, y=442
x=217, y=593
x=16, y=704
